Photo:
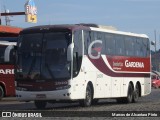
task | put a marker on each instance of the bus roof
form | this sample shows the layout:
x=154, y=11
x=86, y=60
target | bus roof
x=45, y=28
x=67, y=27
x=118, y=32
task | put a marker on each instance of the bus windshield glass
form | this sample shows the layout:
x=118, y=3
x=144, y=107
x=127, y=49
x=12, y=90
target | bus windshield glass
x=44, y=56
x=2, y=50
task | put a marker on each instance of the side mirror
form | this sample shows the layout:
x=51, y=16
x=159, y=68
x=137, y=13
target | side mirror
x=15, y=47
x=153, y=42
x=70, y=52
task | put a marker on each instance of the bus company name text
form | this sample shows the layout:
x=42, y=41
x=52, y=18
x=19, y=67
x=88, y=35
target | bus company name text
x=128, y=64
x=134, y=64
x=6, y=71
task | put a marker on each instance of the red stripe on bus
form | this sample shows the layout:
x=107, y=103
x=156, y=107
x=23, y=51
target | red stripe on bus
x=101, y=66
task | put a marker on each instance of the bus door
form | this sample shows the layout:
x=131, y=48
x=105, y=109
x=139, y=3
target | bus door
x=78, y=73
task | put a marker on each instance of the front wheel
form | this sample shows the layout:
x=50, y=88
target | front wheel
x=95, y=101
x=88, y=98
x=1, y=92
x=40, y=104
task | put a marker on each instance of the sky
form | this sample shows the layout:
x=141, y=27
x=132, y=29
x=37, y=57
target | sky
x=137, y=16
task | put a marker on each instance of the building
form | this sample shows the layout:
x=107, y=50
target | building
x=155, y=58
x=9, y=31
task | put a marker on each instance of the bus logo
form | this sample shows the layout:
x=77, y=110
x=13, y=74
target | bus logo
x=97, y=49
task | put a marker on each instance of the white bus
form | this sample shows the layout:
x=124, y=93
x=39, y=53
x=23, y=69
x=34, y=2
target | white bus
x=81, y=63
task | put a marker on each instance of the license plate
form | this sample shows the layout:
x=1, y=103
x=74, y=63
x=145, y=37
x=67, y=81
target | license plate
x=40, y=96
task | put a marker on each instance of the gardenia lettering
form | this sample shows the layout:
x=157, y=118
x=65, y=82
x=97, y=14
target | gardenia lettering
x=134, y=64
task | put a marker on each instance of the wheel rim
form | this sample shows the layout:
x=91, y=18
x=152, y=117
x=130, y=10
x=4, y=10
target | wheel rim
x=136, y=93
x=130, y=95
x=88, y=96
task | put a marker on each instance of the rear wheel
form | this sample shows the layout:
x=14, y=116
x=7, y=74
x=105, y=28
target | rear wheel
x=136, y=94
x=129, y=97
x=40, y=104
x=156, y=87
x=88, y=98
x=120, y=100
x=1, y=92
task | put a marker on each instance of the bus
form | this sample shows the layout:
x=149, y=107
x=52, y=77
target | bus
x=7, y=61
x=9, y=39
x=81, y=62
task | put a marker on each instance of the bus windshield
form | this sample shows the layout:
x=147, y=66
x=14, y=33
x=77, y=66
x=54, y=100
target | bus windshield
x=43, y=56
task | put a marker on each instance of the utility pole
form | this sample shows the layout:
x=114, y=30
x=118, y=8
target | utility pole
x=155, y=50
x=10, y=14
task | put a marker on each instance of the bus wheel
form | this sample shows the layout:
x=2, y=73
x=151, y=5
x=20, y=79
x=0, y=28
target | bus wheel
x=95, y=101
x=88, y=99
x=136, y=94
x=40, y=104
x=1, y=92
x=129, y=97
x=120, y=100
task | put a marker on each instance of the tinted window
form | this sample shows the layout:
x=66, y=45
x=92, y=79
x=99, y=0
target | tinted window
x=87, y=41
x=110, y=44
x=77, y=55
x=139, y=47
x=145, y=47
x=97, y=36
x=120, y=48
x=2, y=50
x=130, y=45
x=31, y=42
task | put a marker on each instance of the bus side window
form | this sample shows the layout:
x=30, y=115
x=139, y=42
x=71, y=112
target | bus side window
x=139, y=48
x=100, y=36
x=145, y=47
x=148, y=47
x=130, y=46
x=120, y=49
x=87, y=41
x=110, y=44
x=97, y=36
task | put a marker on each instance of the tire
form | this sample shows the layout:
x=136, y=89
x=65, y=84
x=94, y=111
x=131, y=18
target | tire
x=129, y=97
x=95, y=101
x=136, y=94
x=40, y=104
x=88, y=98
x=156, y=87
x=1, y=92
x=120, y=100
